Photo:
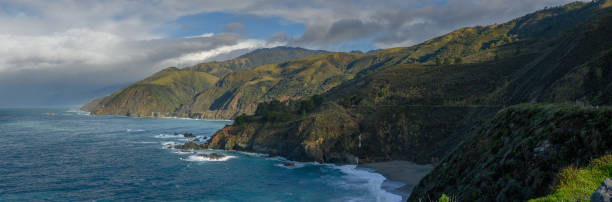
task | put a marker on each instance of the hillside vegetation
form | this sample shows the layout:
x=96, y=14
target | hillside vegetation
x=528, y=151
x=405, y=104
x=241, y=87
x=168, y=91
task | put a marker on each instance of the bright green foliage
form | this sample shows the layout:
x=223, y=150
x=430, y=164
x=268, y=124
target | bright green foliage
x=444, y=198
x=577, y=184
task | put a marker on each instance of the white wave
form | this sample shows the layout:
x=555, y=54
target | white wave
x=181, y=152
x=142, y=142
x=185, y=118
x=134, y=130
x=165, y=136
x=78, y=112
x=169, y=144
x=252, y=154
x=373, y=182
x=202, y=158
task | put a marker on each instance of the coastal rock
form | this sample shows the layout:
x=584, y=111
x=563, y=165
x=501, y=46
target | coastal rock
x=191, y=145
x=188, y=135
x=289, y=164
x=604, y=192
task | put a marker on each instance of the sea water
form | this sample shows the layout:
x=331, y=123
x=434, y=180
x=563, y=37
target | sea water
x=63, y=154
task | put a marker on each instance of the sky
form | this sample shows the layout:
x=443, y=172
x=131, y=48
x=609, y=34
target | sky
x=67, y=52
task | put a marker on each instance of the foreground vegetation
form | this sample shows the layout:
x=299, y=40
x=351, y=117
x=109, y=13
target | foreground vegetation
x=527, y=151
x=577, y=184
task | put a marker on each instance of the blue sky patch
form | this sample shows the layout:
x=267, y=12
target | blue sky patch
x=216, y=22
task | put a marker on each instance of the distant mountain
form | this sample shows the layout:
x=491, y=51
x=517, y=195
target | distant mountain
x=167, y=91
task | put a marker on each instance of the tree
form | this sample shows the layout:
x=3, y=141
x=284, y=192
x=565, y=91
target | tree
x=438, y=61
x=458, y=60
x=447, y=61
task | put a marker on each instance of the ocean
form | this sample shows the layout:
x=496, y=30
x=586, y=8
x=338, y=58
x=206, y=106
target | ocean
x=63, y=154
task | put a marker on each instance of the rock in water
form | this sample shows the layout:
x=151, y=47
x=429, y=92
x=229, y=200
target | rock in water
x=188, y=145
x=604, y=192
x=188, y=135
x=289, y=164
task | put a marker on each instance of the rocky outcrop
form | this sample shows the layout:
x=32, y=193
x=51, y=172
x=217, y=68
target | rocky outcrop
x=328, y=135
x=603, y=192
x=191, y=145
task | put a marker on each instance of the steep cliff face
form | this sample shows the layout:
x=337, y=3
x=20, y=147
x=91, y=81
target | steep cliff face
x=520, y=154
x=324, y=136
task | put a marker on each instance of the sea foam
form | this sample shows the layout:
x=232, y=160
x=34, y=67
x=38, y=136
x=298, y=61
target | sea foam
x=164, y=136
x=373, y=182
x=202, y=158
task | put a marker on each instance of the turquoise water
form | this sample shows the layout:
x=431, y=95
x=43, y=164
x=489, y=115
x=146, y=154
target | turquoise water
x=66, y=155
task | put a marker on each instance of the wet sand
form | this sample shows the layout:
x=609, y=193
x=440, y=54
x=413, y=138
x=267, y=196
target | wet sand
x=402, y=176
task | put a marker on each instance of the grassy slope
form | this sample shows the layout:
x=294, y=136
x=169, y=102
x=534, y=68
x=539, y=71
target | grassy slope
x=159, y=95
x=521, y=152
x=258, y=57
x=165, y=92
x=577, y=184
x=240, y=92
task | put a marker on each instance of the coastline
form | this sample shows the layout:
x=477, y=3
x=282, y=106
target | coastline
x=401, y=176
x=396, y=177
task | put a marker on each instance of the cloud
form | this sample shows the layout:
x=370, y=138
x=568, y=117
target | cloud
x=193, y=58
x=53, y=51
x=78, y=65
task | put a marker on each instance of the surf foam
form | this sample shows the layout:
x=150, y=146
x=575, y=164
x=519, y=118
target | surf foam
x=373, y=182
x=202, y=158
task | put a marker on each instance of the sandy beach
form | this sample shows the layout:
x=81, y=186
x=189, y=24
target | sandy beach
x=402, y=176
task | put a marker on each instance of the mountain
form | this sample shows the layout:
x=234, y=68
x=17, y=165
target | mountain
x=255, y=58
x=167, y=91
x=416, y=103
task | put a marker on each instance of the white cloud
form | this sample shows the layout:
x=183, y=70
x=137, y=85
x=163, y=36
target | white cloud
x=90, y=44
x=205, y=35
x=196, y=57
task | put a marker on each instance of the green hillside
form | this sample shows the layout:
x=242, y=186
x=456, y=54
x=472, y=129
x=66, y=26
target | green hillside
x=168, y=91
x=255, y=58
x=241, y=88
x=403, y=104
